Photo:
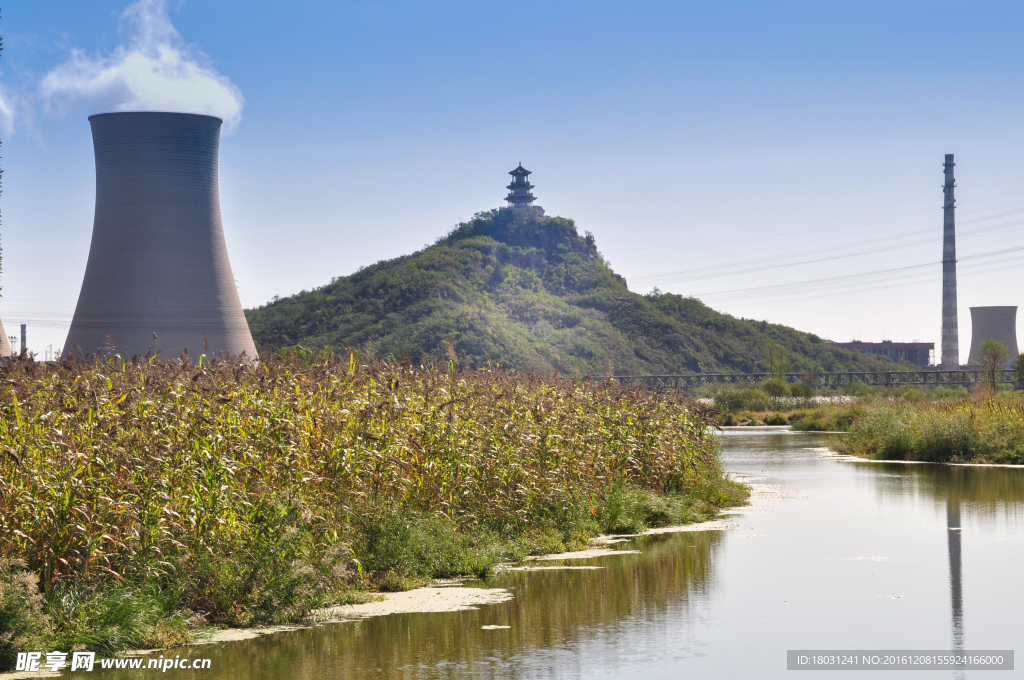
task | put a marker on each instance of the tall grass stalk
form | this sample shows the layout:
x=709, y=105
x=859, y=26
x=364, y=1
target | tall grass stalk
x=244, y=494
x=985, y=428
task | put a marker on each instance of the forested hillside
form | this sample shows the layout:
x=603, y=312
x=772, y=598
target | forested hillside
x=513, y=288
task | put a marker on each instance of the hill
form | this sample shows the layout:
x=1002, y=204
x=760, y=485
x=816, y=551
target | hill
x=511, y=287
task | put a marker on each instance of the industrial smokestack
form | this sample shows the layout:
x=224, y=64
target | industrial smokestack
x=158, y=277
x=24, y=340
x=950, y=332
x=993, y=323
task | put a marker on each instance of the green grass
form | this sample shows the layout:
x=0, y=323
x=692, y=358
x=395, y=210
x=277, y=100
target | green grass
x=912, y=424
x=110, y=617
x=985, y=428
x=626, y=509
x=149, y=499
x=828, y=418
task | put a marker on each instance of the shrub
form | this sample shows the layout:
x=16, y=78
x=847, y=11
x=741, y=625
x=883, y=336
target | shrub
x=734, y=400
x=627, y=509
x=858, y=389
x=829, y=418
x=775, y=387
x=941, y=392
x=993, y=356
x=801, y=390
x=23, y=625
x=429, y=546
x=1018, y=368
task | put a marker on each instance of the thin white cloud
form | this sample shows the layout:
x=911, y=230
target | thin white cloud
x=6, y=114
x=153, y=71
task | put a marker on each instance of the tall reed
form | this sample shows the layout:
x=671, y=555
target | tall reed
x=985, y=428
x=257, y=492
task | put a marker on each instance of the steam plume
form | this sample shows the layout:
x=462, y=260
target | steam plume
x=154, y=70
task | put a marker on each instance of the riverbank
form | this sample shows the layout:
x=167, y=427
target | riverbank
x=776, y=403
x=451, y=595
x=816, y=546
x=907, y=424
x=985, y=429
x=141, y=502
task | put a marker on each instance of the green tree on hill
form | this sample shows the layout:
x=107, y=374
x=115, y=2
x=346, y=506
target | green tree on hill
x=528, y=292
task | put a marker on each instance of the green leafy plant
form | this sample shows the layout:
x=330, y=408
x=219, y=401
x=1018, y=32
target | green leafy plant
x=775, y=387
x=150, y=497
x=801, y=390
x=993, y=355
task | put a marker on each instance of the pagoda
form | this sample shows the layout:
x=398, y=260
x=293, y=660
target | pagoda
x=519, y=191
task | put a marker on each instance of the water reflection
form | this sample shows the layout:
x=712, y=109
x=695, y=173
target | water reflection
x=551, y=614
x=806, y=571
x=955, y=577
x=978, y=490
x=984, y=490
x=981, y=491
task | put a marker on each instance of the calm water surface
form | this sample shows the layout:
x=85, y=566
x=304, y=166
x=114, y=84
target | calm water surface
x=841, y=555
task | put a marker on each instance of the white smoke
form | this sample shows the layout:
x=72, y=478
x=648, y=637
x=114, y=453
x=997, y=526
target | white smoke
x=154, y=70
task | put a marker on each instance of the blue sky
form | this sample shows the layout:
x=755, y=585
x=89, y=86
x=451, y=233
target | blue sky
x=778, y=160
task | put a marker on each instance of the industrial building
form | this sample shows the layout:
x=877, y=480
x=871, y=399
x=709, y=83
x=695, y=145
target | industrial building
x=993, y=323
x=917, y=353
x=158, y=279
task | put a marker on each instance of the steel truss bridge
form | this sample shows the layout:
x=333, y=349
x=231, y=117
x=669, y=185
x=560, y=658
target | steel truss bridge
x=964, y=377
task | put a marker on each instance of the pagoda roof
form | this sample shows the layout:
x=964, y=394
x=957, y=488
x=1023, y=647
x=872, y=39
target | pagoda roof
x=520, y=171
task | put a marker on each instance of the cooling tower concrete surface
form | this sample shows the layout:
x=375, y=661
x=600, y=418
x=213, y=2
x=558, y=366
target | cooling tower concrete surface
x=5, y=344
x=993, y=323
x=158, y=277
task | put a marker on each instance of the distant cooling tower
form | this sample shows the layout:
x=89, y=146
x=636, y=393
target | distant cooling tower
x=158, y=277
x=993, y=323
x=5, y=344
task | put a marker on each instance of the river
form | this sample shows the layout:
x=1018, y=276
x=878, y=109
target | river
x=834, y=555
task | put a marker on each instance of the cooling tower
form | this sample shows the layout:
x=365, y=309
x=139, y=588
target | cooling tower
x=993, y=323
x=5, y=344
x=158, y=277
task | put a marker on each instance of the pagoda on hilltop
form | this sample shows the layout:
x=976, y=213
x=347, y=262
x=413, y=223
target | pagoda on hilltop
x=519, y=195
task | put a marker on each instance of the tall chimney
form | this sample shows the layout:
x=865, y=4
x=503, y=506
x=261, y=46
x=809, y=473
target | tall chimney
x=158, y=278
x=950, y=333
x=24, y=341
